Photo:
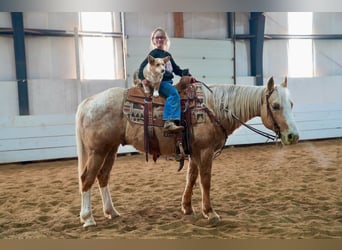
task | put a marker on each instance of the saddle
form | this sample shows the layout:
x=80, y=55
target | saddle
x=147, y=110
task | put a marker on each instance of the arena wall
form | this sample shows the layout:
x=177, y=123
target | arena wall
x=55, y=90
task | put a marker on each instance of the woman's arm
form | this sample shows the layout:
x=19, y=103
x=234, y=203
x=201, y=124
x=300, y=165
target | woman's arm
x=176, y=69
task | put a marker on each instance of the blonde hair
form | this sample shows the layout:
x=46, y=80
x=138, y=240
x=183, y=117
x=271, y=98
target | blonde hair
x=166, y=42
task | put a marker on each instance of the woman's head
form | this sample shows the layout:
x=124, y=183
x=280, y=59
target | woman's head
x=160, y=39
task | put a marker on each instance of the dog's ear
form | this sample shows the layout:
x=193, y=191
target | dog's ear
x=150, y=59
x=166, y=59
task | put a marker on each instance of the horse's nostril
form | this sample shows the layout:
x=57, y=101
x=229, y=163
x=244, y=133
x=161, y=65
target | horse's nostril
x=292, y=137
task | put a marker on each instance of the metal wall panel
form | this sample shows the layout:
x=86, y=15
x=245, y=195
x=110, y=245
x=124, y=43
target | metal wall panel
x=327, y=57
x=198, y=55
x=51, y=20
x=9, y=98
x=7, y=62
x=50, y=57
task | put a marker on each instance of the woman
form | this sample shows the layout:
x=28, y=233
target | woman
x=160, y=44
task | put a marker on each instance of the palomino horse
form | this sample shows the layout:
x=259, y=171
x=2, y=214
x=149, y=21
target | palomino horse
x=101, y=127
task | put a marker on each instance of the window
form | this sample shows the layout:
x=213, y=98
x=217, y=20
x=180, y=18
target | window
x=99, y=52
x=300, y=62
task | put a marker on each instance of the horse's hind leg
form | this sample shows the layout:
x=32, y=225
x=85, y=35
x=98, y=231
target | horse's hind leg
x=87, y=177
x=103, y=178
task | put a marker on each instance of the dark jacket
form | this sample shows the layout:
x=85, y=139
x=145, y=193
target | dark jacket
x=158, y=53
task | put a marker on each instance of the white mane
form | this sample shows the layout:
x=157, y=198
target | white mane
x=243, y=101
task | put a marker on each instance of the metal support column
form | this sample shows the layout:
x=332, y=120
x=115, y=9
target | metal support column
x=257, y=30
x=230, y=24
x=232, y=35
x=20, y=61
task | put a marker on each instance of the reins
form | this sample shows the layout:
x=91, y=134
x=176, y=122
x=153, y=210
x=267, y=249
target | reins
x=265, y=134
x=262, y=133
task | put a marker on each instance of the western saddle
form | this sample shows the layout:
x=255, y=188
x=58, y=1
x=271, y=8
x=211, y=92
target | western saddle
x=147, y=110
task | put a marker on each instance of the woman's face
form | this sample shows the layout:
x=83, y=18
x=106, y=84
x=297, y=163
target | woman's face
x=159, y=40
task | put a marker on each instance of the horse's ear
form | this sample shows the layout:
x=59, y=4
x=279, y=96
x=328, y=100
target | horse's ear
x=284, y=84
x=270, y=84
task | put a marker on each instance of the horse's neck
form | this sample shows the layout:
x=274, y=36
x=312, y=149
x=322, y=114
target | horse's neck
x=242, y=101
x=247, y=102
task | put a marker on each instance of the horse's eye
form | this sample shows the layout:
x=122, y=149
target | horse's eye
x=275, y=106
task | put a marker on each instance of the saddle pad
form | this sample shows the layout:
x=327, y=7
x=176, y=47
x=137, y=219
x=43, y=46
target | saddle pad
x=193, y=97
x=135, y=113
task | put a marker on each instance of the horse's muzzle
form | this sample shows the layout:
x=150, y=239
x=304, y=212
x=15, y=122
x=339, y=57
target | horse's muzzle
x=290, y=138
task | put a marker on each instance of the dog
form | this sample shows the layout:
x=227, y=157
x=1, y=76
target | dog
x=154, y=72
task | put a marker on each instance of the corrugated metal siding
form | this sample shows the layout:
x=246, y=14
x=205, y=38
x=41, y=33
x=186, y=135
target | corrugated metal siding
x=208, y=60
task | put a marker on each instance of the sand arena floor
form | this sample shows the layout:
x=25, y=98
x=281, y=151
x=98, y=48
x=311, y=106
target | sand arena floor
x=260, y=191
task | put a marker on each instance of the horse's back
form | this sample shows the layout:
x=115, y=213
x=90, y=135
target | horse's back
x=103, y=99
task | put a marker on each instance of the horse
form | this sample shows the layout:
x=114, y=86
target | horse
x=101, y=127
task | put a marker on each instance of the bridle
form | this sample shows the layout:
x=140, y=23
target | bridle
x=269, y=111
x=265, y=134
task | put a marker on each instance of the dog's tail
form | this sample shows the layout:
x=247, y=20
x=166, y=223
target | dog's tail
x=136, y=80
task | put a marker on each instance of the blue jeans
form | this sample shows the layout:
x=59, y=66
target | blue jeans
x=172, y=110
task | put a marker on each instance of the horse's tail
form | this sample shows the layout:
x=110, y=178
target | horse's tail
x=79, y=145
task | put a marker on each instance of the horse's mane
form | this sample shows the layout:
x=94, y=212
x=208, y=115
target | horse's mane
x=243, y=101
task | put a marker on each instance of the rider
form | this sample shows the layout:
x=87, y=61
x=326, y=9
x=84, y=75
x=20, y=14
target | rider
x=160, y=44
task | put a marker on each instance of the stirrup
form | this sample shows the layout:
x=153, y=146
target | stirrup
x=171, y=127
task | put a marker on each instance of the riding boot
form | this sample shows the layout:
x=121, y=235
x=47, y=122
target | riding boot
x=170, y=126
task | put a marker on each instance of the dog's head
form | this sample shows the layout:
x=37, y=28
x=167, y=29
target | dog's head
x=157, y=65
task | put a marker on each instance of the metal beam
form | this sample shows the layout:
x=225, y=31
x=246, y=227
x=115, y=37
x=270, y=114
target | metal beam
x=61, y=33
x=257, y=30
x=20, y=61
x=230, y=24
x=178, y=24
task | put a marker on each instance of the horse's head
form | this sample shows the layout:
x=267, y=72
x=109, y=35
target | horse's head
x=276, y=112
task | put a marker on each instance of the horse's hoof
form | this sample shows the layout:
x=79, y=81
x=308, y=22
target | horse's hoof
x=214, y=218
x=188, y=211
x=112, y=214
x=89, y=222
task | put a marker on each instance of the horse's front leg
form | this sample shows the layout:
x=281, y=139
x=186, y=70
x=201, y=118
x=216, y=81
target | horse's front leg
x=191, y=178
x=205, y=184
